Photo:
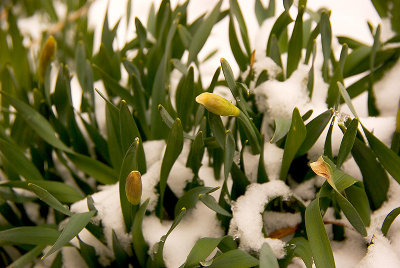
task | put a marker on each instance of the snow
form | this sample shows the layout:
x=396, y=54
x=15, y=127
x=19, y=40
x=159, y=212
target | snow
x=305, y=190
x=274, y=221
x=272, y=161
x=197, y=223
x=387, y=99
x=72, y=258
x=178, y=178
x=247, y=223
x=380, y=254
x=354, y=245
x=152, y=151
x=278, y=99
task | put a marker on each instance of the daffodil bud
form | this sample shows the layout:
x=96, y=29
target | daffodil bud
x=133, y=187
x=217, y=104
x=321, y=168
x=46, y=56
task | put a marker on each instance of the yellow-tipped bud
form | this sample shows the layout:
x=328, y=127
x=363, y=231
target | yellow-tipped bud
x=217, y=104
x=46, y=56
x=133, y=187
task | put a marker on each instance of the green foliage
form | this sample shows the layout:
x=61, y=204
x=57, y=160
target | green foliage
x=54, y=152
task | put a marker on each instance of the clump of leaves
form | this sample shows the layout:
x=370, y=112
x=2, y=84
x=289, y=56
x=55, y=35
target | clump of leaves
x=47, y=144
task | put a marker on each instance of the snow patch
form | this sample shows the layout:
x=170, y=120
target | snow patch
x=247, y=223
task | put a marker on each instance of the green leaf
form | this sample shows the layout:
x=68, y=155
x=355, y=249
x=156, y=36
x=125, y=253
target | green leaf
x=140, y=105
x=229, y=152
x=169, y=121
x=129, y=133
x=28, y=257
x=295, y=44
x=159, y=85
x=264, y=13
x=252, y=133
x=141, y=33
x=294, y=139
x=139, y=244
x=310, y=43
x=37, y=122
x=62, y=98
x=49, y=199
x=229, y=77
x=235, y=11
x=185, y=35
x=267, y=257
x=61, y=191
x=382, y=7
x=190, y=198
x=303, y=250
x=203, y=32
x=201, y=250
x=185, y=99
x=375, y=178
x=395, y=146
x=88, y=253
x=217, y=128
x=351, y=214
x=274, y=51
x=241, y=59
x=75, y=224
x=314, y=129
x=17, y=159
x=317, y=237
x=326, y=35
x=240, y=182
x=196, y=153
x=389, y=159
x=235, y=258
x=358, y=198
x=31, y=235
x=99, y=171
x=347, y=99
x=121, y=256
x=287, y=4
x=211, y=203
x=280, y=25
x=166, y=117
x=262, y=175
x=78, y=141
x=354, y=59
x=85, y=77
x=347, y=142
x=343, y=57
x=129, y=163
x=179, y=66
x=328, y=140
x=113, y=136
x=389, y=219
x=282, y=127
x=114, y=86
x=355, y=207
x=172, y=151
x=159, y=247
x=310, y=82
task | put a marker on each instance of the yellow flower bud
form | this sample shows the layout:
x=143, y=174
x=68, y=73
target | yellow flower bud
x=133, y=187
x=217, y=104
x=46, y=56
